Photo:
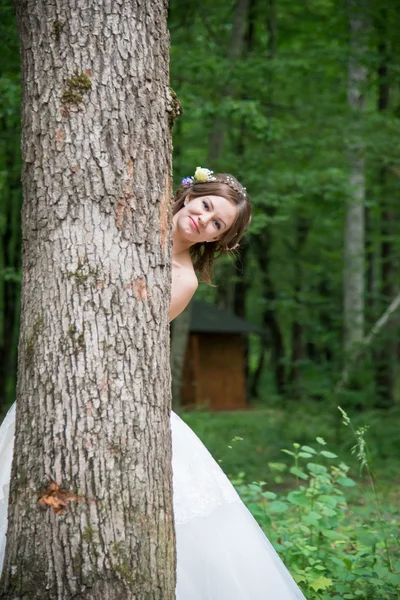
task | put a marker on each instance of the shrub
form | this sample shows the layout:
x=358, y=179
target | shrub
x=332, y=550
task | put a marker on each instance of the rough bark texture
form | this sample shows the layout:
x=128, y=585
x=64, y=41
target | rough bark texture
x=353, y=284
x=90, y=512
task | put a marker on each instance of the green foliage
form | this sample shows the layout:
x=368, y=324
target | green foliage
x=331, y=550
x=337, y=533
x=288, y=126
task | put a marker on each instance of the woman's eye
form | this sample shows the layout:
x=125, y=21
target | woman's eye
x=217, y=224
x=205, y=204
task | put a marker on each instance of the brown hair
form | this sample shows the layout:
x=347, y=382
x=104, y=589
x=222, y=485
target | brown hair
x=225, y=185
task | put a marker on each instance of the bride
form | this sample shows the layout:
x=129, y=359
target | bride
x=222, y=554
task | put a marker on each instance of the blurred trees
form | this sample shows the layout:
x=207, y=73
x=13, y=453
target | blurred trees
x=312, y=106
x=269, y=81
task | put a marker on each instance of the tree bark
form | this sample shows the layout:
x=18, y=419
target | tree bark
x=90, y=513
x=353, y=282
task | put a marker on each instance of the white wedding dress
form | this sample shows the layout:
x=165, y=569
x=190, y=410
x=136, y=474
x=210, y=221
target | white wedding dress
x=222, y=553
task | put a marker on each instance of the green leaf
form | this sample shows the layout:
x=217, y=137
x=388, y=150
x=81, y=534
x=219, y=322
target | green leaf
x=328, y=512
x=298, y=498
x=254, y=487
x=331, y=534
x=394, y=579
x=321, y=441
x=308, y=449
x=299, y=577
x=305, y=454
x=316, y=469
x=277, y=506
x=288, y=452
x=330, y=501
x=298, y=473
x=269, y=495
x=346, y=481
x=320, y=583
x=277, y=466
x=312, y=518
x=328, y=454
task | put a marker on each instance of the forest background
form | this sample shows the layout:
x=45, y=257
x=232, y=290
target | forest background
x=301, y=101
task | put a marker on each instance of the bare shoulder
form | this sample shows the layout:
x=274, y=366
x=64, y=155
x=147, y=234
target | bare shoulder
x=184, y=285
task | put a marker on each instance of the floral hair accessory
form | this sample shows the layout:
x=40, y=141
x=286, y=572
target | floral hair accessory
x=200, y=176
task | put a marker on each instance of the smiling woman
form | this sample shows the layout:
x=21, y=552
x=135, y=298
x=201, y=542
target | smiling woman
x=210, y=217
x=222, y=554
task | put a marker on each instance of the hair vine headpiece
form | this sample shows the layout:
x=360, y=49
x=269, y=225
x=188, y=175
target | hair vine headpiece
x=202, y=175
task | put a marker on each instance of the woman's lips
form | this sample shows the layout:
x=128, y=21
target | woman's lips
x=194, y=224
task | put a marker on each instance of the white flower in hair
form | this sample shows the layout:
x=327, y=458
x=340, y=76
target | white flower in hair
x=201, y=175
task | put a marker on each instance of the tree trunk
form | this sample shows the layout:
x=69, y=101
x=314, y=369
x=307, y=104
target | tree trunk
x=179, y=341
x=90, y=513
x=236, y=45
x=241, y=288
x=353, y=283
x=270, y=322
x=298, y=344
x=385, y=358
x=263, y=244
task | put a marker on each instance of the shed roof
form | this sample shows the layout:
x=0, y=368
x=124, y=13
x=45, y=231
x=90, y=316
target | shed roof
x=208, y=318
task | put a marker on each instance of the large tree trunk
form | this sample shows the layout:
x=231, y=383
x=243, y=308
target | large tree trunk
x=90, y=513
x=353, y=283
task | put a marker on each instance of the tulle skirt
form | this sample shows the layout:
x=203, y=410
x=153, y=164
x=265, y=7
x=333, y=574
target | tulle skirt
x=222, y=554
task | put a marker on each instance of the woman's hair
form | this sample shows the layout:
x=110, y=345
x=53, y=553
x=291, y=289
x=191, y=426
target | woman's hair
x=204, y=253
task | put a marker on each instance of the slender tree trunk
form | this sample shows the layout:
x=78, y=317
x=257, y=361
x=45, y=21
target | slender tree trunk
x=239, y=300
x=263, y=244
x=385, y=357
x=353, y=283
x=269, y=321
x=179, y=342
x=235, y=49
x=298, y=350
x=90, y=513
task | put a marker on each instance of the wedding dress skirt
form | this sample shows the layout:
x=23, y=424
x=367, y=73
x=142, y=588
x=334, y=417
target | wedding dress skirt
x=222, y=554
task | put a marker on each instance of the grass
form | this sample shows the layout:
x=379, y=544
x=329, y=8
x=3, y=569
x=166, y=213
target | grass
x=266, y=431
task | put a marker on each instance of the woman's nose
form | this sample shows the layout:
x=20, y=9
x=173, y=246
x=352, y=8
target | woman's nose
x=204, y=219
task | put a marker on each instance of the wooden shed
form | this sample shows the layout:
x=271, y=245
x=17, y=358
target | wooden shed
x=214, y=367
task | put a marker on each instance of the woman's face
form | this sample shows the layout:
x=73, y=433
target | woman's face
x=205, y=219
